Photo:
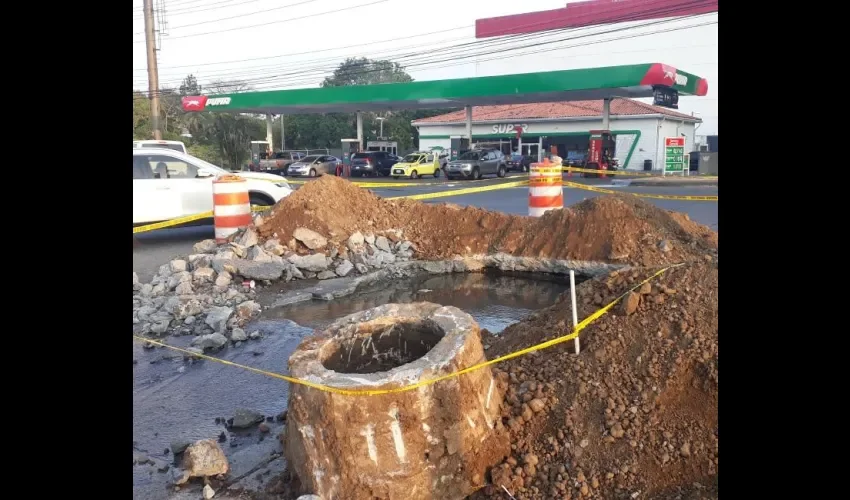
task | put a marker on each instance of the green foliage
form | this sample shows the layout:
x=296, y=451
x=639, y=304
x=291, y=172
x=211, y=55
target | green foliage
x=362, y=71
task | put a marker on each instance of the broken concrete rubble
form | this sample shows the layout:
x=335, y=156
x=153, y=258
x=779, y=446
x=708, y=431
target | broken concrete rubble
x=203, y=458
x=434, y=442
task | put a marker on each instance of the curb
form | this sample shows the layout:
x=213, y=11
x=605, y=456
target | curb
x=682, y=183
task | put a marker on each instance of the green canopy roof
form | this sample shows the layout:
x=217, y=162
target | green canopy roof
x=635, y=80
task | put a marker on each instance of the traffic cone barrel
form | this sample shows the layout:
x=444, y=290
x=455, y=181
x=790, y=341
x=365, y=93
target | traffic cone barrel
x=544, y=188
x=231, y=206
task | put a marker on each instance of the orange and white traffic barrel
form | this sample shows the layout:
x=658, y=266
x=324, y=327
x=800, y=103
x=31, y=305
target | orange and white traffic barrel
x=545, y=191
x=231, y=206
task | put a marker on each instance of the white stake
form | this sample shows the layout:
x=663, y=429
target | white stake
x=575, y=310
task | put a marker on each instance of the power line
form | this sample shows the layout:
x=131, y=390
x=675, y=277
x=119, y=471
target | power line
x=275, y=79
x=302, y=71
x=271, y=80
x=274, y=22
x=240, y=15
x=394, y=40
x=273, y=83
x=208, y=7
x=186, y=2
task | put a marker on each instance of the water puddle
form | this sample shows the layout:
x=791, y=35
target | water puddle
x=494, y=300
x=177, y=400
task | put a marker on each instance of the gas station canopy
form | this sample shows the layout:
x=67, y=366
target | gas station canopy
x=636, y=80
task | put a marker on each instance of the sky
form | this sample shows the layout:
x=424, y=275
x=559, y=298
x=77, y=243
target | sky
x=275, y=44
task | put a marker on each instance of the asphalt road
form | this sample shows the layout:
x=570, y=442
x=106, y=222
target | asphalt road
x=158, y=247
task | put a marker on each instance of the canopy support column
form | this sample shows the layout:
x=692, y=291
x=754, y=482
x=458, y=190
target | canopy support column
x=360, y=129
x=469, y=124
x=269, y=134
x=606, y=113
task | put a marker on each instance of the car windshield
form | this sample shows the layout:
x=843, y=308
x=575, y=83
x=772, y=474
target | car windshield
x=411, y=159
x=360, y=155
x=470, y=155
x=309, y=159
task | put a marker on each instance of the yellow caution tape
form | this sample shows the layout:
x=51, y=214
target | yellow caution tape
x=458, y=192
x=184, y=220
x=444, y=181
x=377, y=392
x=171, y=222
x=443, y=194
x=641, y=195
x=608, y=172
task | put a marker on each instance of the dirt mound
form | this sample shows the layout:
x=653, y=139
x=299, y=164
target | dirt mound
x=607, y=228
x=636, y=412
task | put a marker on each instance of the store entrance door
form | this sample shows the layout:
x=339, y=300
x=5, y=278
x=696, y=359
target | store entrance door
x=530, y=150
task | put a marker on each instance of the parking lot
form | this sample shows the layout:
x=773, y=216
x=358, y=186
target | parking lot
x=160, y=246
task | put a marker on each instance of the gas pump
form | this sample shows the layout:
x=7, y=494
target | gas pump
x=600, y=152
x=459, y=144
x=349, y=147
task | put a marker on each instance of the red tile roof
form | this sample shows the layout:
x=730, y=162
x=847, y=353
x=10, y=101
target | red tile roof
x=572, y=109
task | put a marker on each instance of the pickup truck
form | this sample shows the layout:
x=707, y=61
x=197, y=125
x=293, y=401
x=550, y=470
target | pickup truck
x=279, y=163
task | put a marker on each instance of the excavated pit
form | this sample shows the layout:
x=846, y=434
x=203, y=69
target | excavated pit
x=436, y=441
x=387, y=348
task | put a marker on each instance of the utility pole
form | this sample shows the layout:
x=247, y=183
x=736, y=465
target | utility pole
x=153, y=73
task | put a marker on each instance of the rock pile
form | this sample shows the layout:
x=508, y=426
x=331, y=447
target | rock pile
x=211, y=294
x=620, y=228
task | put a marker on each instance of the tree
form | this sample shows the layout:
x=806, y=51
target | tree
x=362, y=71
x=190, y=86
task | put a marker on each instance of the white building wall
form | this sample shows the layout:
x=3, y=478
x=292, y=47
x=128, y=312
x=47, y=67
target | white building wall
x=427, y=144
x=640, y=135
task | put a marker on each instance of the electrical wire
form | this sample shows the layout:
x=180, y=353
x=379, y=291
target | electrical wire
x=302, y=75
x=253, y=26
x=527, y=25
x=532, y=52
x=270, y=84
x=239, y=15
x=196, y=9
x=301, y=71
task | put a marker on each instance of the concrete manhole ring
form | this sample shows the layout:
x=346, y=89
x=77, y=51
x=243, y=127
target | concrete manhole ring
x=436, y=441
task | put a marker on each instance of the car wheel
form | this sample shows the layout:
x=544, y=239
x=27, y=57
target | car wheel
x=312, y=172
x=395, y=177
x=501, y=172
x=476, y=174
x=414, y=175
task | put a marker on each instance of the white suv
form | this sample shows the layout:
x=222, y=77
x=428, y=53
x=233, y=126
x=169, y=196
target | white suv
x=168, y=184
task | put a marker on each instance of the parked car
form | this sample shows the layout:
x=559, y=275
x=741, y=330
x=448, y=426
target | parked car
x=372, y=163
x=313, y=165
x=279, y=163
x=575, y=159
x=416, y=165
x=175, y=145
x=520, y=163
x=169, y=184
x=475, y=163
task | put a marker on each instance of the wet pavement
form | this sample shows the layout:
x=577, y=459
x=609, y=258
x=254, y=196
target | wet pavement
x=178, y=400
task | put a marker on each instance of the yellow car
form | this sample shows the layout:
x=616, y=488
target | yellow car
x=415, y=165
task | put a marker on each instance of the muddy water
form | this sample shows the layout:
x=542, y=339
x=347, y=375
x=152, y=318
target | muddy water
x=175, y=400
x=495, y=301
